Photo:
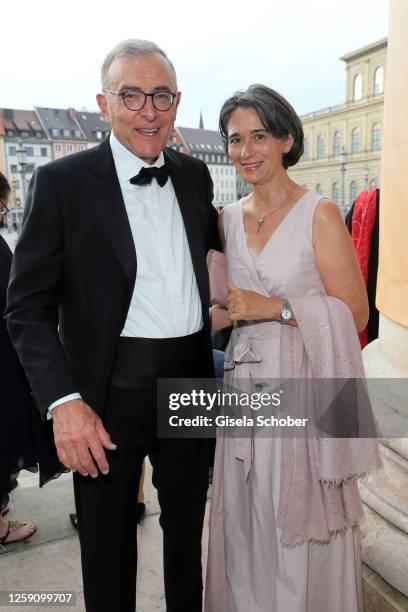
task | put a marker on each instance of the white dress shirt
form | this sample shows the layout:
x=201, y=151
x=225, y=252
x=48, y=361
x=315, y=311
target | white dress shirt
x=165, y=302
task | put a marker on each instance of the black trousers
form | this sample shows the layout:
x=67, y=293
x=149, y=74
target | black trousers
x=106, y=506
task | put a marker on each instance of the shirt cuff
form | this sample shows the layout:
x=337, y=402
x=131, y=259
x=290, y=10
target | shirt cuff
x=66, y=398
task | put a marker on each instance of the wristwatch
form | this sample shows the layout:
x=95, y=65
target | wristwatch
x=286, y=313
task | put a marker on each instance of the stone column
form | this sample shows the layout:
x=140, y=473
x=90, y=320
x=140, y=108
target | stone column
x=385, y=528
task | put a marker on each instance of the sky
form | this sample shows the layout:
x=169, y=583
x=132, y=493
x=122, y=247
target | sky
x=51, y=52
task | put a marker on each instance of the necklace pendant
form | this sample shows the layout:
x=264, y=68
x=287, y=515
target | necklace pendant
x=260, y=222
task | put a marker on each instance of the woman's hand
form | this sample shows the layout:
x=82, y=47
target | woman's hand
x=246, y=305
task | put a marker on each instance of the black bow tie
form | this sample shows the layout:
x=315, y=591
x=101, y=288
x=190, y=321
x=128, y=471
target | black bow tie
x=146, y=175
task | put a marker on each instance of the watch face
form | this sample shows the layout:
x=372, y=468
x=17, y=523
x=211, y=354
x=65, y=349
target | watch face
x=286, y=313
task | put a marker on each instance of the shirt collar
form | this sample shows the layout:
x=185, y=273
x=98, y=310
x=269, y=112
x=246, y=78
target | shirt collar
x=127, y=164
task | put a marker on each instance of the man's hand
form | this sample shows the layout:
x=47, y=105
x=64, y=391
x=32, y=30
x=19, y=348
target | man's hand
x=80, y=438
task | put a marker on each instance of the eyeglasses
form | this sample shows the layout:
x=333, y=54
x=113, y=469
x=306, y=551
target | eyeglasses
x=134, y=99
x=3, y=208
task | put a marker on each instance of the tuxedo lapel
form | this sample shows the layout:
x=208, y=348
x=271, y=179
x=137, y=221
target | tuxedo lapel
x=106, y=195
x=186, y=193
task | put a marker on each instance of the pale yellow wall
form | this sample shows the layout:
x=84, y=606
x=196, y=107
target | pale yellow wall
x=365, y=66
x=392, y=285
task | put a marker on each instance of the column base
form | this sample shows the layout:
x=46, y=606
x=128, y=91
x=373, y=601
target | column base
x=379, y=596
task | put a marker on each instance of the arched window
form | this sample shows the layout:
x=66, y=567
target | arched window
x=379, y=80
x=305, y=149
x=376, y=137
x=319, y=188
x=353, y=191
x=358, y=87
x=336, y=144
x=320, y=146
x=373, y=183
x=355, y=140
x=335, y=193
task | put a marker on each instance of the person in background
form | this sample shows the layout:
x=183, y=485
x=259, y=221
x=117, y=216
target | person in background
x=25, y=442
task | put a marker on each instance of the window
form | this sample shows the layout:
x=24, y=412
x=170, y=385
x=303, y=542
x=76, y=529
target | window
x=81, y=147
x=29, y=151
x=12, y=150
x=335, y=193
x=44, y=152
x=336, y=144
x=320, y=146
x=10, y=133
x=66, y=132
x=58, y=148
x=355, y=140
x=358, y=87
x=24, y=134
x=17, y=184
x=99, y=135
x=69, y=148
x=379, y=80
x=376, y=137
x=353, y=191
x=38, y=134
x=305, y=149
x=55, y=131
x=13, y=168
x=319, y=188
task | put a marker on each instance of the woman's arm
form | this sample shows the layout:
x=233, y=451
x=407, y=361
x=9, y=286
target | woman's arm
x=337, y=261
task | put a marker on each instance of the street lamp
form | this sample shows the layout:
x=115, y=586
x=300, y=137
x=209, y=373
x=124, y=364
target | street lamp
x=365, y=174
x=343, y=162
x=21, y=159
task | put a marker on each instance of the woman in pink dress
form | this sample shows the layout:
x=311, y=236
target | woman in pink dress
x=284, y=528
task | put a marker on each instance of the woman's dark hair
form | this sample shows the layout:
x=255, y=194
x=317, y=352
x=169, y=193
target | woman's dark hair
x=276, y=114
x=4, y=187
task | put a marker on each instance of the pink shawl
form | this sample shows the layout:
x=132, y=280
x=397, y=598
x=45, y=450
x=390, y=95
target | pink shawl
x=319, y=495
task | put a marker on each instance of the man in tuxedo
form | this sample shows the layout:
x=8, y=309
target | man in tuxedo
x=108, y=292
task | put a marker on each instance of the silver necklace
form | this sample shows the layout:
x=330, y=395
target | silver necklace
x=261, y=219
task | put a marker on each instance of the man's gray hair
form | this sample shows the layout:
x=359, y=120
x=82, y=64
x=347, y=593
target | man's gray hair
x=133, y=47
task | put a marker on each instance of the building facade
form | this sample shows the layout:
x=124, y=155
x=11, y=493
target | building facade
x=207, y=145
x=67, y=129
x=343, y=143
x=26, y=147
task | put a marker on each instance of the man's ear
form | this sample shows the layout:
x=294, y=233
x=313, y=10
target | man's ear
x=103, y=106
x=177, y=101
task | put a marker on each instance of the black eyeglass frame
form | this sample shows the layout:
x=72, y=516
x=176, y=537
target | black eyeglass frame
x=3, y=209
x=122, y=94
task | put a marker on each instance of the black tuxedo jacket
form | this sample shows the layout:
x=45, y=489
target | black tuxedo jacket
x=74, y=269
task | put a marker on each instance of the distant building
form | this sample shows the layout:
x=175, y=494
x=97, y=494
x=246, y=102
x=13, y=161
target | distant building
x=24, y=140
x=343, y=143
x=207, y=145
x=67, y=129
x=92, y=125
x=3, y=166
